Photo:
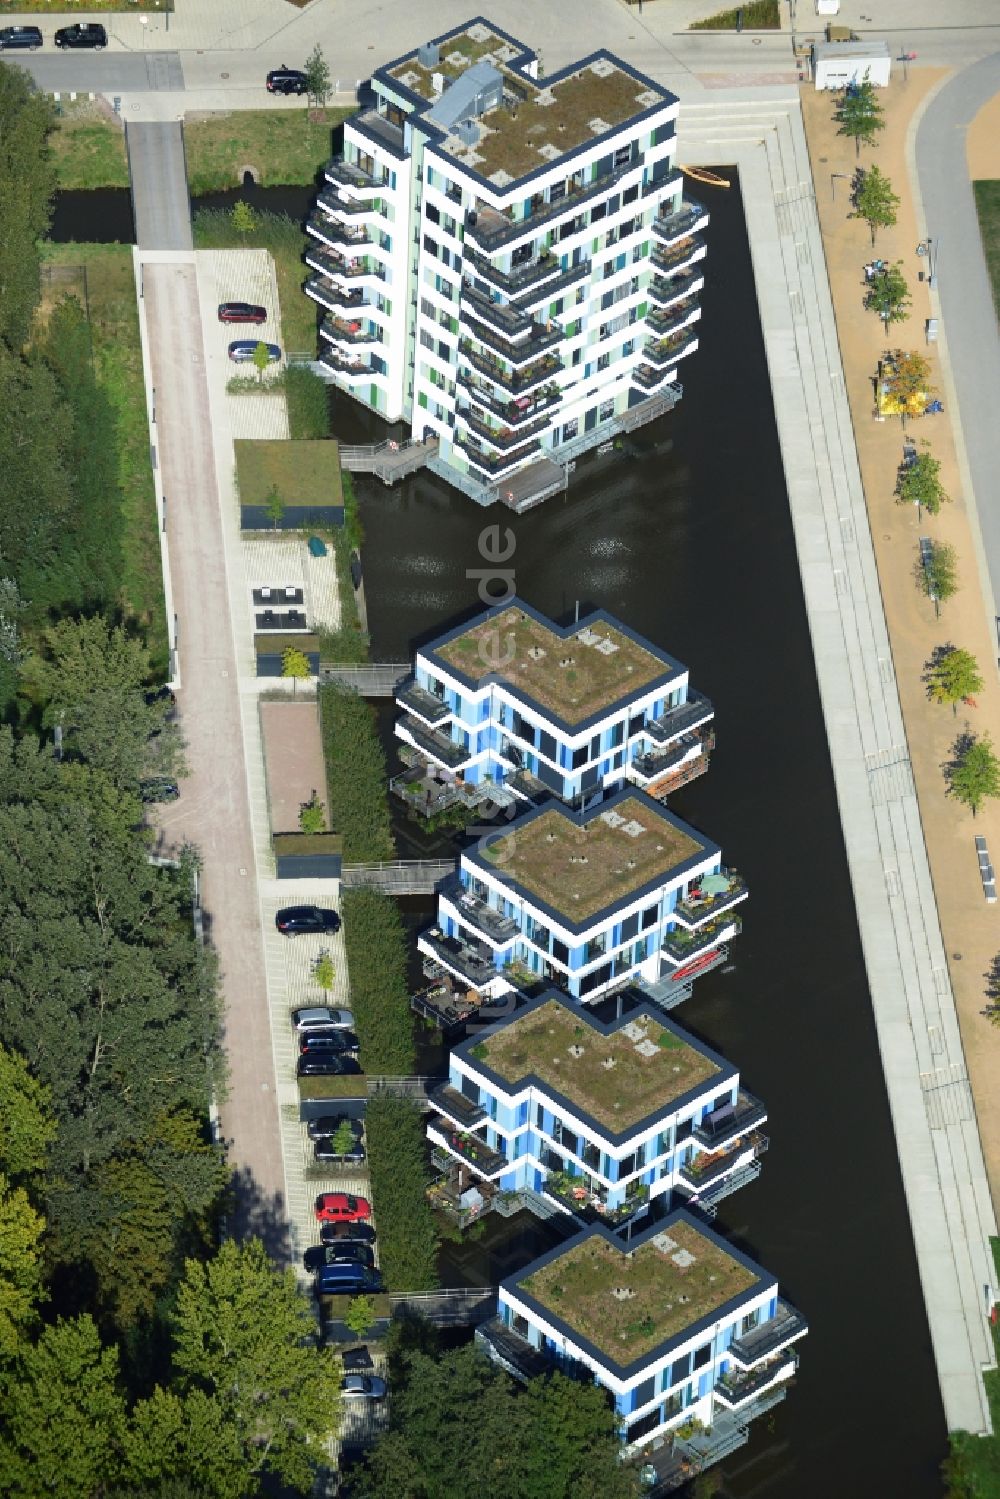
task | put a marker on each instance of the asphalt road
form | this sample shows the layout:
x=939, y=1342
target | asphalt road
x=967, y=311
x=159, y=186
x=102, y=72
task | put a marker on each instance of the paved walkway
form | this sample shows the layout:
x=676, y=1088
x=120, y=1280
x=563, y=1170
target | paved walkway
x=159, y=186
x=940, y=1155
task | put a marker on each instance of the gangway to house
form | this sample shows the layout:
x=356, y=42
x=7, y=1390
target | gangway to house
x=398, y=876
x=380, y=679
x=388, y=461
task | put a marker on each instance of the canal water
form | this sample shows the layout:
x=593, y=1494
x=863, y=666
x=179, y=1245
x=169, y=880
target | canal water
x=688, y=537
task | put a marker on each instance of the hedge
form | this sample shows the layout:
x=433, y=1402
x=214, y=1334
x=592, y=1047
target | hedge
x=356, y=776
x=377, y=964
x=397, y=1164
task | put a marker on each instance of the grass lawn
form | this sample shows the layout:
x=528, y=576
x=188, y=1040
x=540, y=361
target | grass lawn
x=304, y=473
x=283, y=147
x=988, y=209
x=89, y=148
x=758, y=15
x=276, y=232
x=114, y=322
x=973, y=1467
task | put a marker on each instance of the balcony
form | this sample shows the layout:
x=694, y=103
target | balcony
x=684, y=220
x=513, y=334
x=516, y=381
x=735, y=1389
x=730, y=1121
x=340, y=331
x=344, y=208
x=679, y=255
x=715, y=894
x=573, y=1193
x=334, y=233
x=679, y=756
x=494, y=464
x=502, y=438
x=471, y=1150
x=349, y=174
x=347, y=369
x=512, y=1352
x=769, y=1337
x=687, y=715
x=667, y=351
x=491, y=230
x=453, y=1104
x=439, y=747
x=470, y=961
x=511, y=411
x=666, y=291
x=681, y=945
x=426, y=705
x=648, y=377
x=707, y=1168
x=380, y=130
x=478, y=913
x=319, y=288
x=665, y=321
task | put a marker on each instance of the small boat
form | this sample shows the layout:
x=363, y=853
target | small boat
x=702, y=174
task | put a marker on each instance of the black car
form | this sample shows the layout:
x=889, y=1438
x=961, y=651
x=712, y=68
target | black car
x=338, y=1254
x=328, y=1124
x=296, y=920
x=20, y=37
x=326, y=1064
x=356, y=1360
x=338, y=1041
x=159, y=789
x=286, y=81
x=83, y=34
x=336, y=1233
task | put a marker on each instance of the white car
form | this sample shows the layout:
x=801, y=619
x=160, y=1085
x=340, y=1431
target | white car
x=321, y=1018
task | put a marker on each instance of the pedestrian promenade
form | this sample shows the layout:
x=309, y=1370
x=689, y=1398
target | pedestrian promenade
x=940, y=1154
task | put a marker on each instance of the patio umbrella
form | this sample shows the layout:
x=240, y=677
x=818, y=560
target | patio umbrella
x=715, y=884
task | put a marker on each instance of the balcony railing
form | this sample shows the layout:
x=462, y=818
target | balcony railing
x=512, y=1352
x=735, y=1389
x=667, y=351
x=349, y=174
x=668, y=226
x=336, y=233
x=438, y=746
x=665, y=291
x=784, y=1327
x=337, y=330
x=473, y=1149
x=682, y=945
x=519, y=278
x=574, y=1194
x=697, y=909
x=349, y=369
x=648, y=377
x=503, y=438
x=514, y=339
x=658, y=762
x=706, y=1168
x=453, y=1103
x=511, y=411
x=424, y=704
x=666, y=258
x=495, y=463
x=474, y=963
x=695, y=710
x=665, y=321
x=344, y=208
x=333, y=297
x=479, y=913
x=516, y=381
x=492, y=230
x=730, y=1121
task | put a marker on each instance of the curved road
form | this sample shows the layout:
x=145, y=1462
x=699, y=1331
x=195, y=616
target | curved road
x=963, y=286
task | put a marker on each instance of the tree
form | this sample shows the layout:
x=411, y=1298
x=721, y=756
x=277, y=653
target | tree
x=274, y=504
x=936, y=573
x=295, y=664
x=360, y=1314
x=261, y=361
x=889, y=295
x=63, y=1415
x=171, y=1436
x=245, y=219
x=860, y=114
x=20, y=1267
x=27, y=1127
x=407, y=1234
x=952, y=675
x=246, y=1338
x=919, y=482
x=992, y=992
x=874, y=200
x=323, y=971
x=312, y=815
x=973, y=775
x=27, y=182
x=318, y=82
x=905, y=384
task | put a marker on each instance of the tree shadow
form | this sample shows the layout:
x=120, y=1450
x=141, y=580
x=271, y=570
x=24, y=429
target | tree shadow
x=252, y=1213
x=991, y=1011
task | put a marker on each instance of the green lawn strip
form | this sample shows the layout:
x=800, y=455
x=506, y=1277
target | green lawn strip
x=304, y=473
x=333, y=1087
x=347, y=646
x=305, y=843
x=407, y=1233
x=972, y=1469
x=88, y=148
x=355, y=776
x=758, y=15
x=285, y=147
x=114, y=322
x=376, y=967
x=213, y=230
x=988, y=209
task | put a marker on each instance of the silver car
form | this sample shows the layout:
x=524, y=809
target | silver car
x=363, y=1387
x=322, y=1018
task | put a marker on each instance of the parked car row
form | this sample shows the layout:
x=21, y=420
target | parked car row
x=29, y=38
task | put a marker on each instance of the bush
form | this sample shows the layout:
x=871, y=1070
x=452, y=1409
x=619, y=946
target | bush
x=356, y=776
x=376, y=964
x=347, y=646
x=308, y=411
x=407, y=1235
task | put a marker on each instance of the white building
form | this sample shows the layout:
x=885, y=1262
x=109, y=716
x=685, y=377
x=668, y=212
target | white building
x=505, y=260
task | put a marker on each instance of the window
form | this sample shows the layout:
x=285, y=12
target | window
x=644, y=1393
x=598, y=212
x=591, y=1156
x=623, y=156
x=547, y=745
x=571, y=428
x=702, y=1355
x=426, y=341
x=580, y=757
x=630, y=927
x=750, y=1321
x=617, y=734
x=626, y=1167
x=606, y=412
x=650, y=917
x=430, y=245
x=557, y=192
x=427, y=308
x=433, y=213
x=561, y=954
x=603, y=361
x=443, y=350
x=577, y=355
x=630, y=194
x=679, y=1370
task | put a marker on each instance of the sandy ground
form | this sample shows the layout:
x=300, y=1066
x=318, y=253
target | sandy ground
x=971, y=928
x=293, y=756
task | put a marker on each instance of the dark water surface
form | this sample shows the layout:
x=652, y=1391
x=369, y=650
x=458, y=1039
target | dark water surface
x=98, y=216
x=688, y=538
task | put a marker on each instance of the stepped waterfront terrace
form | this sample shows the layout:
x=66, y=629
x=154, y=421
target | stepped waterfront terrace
x=587, y=901
x=512, y=707
x=677, y=1325
x=601, y=1118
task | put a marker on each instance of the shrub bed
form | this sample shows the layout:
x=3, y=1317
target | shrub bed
x=376, y=962
x=356, y=776
x=397, y=1165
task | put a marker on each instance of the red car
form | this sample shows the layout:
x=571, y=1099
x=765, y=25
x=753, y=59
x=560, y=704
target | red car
x=241, y=312
x=342, y=1207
